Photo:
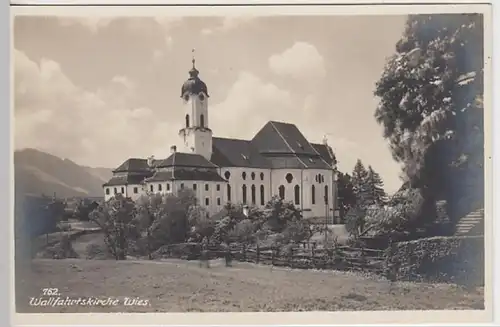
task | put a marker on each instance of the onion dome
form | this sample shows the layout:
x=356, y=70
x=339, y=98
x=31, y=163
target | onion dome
x=194, y=85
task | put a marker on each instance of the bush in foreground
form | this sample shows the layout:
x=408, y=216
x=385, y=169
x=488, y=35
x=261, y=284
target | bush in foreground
x=61, y=250
x=438, y=259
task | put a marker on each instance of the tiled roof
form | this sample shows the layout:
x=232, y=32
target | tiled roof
x=161, y=176
x=186, y=174
x=128, y=179
x=272, y=148
x=179, y=159
x=133, y=165
x=236, y=153
x=282, y=138
x=324, y=152
x=277, y=145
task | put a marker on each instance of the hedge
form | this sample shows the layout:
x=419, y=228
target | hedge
x=456, y=259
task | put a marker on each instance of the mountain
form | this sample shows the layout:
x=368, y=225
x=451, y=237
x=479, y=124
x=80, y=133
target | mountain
x=37, y=173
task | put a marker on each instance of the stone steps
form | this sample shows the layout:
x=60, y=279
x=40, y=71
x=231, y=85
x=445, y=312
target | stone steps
x=468, y=222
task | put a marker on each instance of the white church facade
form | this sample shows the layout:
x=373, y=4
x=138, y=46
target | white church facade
x=278, y=160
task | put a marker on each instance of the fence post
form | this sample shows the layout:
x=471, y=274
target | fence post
x=244, y=253
x=363, y=259
x=313, y=261
x=258, y=253
x=290, y=258
x=272, y=256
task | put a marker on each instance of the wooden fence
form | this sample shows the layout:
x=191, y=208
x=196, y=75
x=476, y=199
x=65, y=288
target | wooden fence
x=339, y=258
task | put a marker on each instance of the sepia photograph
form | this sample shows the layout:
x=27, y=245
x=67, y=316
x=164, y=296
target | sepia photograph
x=184, y=161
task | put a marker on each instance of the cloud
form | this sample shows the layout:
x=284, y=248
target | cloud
x=228, y=23
x=55, y=115
x=168, y=22
x=169, y=41
x=123, y=80
x=93, y=23
x=302, y=61
x=249, y=103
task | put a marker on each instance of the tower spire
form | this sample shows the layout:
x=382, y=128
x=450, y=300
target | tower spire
x=193, y=60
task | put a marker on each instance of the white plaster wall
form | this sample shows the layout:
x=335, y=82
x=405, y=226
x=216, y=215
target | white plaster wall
x=236, y=182
x=200, y=141
x=202, y=194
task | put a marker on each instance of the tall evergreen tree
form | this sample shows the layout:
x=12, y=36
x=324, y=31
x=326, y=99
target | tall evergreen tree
x=347, y=198
x=375, y=193
x=359, y=183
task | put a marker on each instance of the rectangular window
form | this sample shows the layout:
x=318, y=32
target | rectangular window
x=107, y=191
x=207, y=201
x=182, y=186
x=218, y=187
x=151, y=187
x=168, y=186
x=159, y=187
x=136, y=190
x=115, y=190
x=206, y=187
x=218, y=201
x=194, y=187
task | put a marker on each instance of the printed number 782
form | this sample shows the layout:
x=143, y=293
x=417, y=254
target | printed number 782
x=50, y=291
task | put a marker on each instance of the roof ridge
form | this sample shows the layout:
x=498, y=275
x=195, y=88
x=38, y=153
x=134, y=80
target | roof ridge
x=288, y=145
x=319, y=154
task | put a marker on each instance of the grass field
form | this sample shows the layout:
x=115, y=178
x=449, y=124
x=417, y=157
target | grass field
x=180, y=286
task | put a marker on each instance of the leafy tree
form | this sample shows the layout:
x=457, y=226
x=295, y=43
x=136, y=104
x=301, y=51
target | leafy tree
x=355, y=219
x=201, y=224
x=243, y=232
x=431, y=107
x=375, y=188
x=346, y=195
x=83, y=209
x=279, y=213
x=117, y=221
x=297, y=231
x=173, y=219
x=149, y=213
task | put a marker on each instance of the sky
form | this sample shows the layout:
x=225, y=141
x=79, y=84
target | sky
x=101, y=90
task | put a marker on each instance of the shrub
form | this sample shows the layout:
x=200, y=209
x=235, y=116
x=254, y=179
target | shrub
x=438, y=259
x=62, y=250
x=98, y=252
x=186, y=251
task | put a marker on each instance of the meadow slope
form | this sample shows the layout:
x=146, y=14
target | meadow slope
x=180, y=286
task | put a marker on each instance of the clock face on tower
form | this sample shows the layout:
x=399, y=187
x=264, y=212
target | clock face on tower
x=201, y=97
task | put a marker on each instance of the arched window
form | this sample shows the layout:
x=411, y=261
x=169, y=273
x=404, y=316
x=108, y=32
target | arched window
x=289, y=177
x=326, y=194
x=244, y=189
x=261, y=176
x=252, y=175
x=228, y=193
x=244, y=175
x=253, y=195
x=282, y=192
x=262, y=198
x=187, y=120
x=296, y=190
x=227, y=174
x=202, y=120
x=313, y=194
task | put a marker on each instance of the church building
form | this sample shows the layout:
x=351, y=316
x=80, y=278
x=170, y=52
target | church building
x=278, y=160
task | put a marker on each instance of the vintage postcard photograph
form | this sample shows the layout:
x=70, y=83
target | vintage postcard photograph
x=323, y=163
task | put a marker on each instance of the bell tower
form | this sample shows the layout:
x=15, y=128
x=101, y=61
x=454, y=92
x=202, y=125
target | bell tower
x=196, y=136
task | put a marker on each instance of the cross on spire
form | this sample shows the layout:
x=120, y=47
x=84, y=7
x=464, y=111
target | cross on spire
x=193, y=60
